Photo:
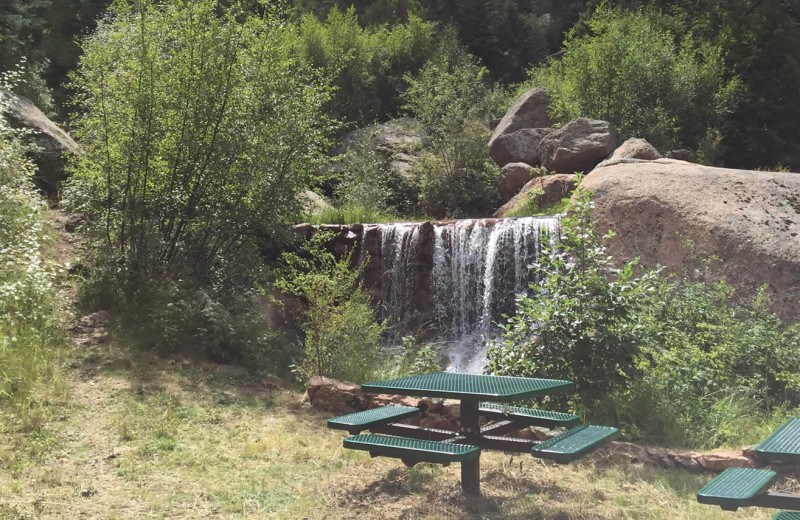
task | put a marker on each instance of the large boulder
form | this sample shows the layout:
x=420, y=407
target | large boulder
x=751, y=220
x=404, y=135
x=52, y=144
x=543, y=191
x=530, y=110
x=578, y=146
x=512, y=178
x=520, y=146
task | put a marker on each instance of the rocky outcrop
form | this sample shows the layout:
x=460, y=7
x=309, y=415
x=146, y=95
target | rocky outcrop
x=512, y=178
x=520, y=146
x=636, y=148
x=52, y=144
x=313, y=203
x=402, y=135
x=578, y=146
x=750, y=220
x=543, y=191
x=530, y=110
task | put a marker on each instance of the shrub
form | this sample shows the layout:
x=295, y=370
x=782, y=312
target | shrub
x=367, y=67
x=453, y=102
x=578, y=325
x=199, y=130
x=341, y=332
x=30, y=300
x=668, y=359
x=640, y=71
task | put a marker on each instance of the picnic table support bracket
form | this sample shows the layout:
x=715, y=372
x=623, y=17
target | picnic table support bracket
x=414, y=432
x=777, y=501
x=499, y=428
x=471, y=430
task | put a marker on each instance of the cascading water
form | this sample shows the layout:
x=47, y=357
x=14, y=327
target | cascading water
x=478, y=268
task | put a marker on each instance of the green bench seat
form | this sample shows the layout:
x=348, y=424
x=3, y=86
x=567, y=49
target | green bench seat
x=574, y=444
x=357, y=422
x=736, y=487
x=787, y=515
x=411, y=451
x=783, y=445
x=529, y=416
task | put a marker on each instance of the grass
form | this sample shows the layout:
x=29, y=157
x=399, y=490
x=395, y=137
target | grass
x=354, y=214
x=144, y=436
x=531, y=208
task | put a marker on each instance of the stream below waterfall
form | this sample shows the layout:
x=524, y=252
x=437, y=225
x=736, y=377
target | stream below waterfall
x=455, y=280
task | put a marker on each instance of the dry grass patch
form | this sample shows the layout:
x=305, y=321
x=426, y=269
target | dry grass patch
x=145, y=437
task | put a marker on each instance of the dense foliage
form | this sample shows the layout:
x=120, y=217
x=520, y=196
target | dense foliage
x=452, y=100
x=670, y=359
x=30, y=310
x=641, y=71
x=199, y=132
x=341, y=331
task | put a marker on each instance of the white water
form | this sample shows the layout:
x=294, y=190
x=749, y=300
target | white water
x=479, y=266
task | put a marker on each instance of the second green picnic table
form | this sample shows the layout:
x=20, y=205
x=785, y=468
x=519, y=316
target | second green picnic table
x=479, y=396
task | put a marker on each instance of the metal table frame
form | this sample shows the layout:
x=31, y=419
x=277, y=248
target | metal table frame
x=470, y=389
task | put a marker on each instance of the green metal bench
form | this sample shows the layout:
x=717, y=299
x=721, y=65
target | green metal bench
x=782, y=445
x=574, y=444
x=357, y=422
x=529, y=416
x=787, y=515
x=411, y=451
x=736, y=487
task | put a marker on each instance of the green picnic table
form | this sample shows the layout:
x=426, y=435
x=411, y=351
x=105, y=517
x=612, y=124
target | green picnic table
x=742, y=487
x=479, y=396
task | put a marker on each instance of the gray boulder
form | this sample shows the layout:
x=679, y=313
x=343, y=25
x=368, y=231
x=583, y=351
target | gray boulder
x=530, y=110
x=398, y=136
x=636, y=148
x=520, y=146
x=52, y=144
x=578, y=146
x=512, y=178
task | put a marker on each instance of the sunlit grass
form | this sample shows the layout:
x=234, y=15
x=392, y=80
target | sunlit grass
x=146, y=437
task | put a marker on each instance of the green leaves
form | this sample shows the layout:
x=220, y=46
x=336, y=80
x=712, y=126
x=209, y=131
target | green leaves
x=641, y=71
x=199, y=127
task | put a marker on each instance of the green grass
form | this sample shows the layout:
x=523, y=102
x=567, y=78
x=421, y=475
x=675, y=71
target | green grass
x=352, y=214
x=150, y=437
x=532, y=209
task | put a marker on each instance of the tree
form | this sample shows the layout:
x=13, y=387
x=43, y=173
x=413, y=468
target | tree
x=199, y=130
x=637, y=70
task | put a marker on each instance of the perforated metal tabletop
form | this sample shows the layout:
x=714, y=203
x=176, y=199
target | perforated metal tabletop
x=783, y=445
x=461, y=386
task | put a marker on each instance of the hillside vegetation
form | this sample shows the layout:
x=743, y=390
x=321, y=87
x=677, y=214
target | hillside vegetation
x=204, y=125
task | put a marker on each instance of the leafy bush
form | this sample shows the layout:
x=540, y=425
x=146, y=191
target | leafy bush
x=341, y=332
x=199, y=130
x=667, y=359
x=578, y=325
x=367, y=66
x=30, y=309
x=640, y=71
x=418, y=358
x=451, y=99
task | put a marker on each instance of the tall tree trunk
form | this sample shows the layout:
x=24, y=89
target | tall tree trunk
x=402, y=7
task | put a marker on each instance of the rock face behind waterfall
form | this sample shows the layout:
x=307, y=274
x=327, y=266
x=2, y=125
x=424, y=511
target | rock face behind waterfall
x=751, y=220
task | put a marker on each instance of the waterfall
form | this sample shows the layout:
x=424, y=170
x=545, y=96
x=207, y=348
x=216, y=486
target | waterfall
x=459, y=277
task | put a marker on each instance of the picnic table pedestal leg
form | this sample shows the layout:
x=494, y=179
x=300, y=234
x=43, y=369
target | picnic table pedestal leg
x=470, y=428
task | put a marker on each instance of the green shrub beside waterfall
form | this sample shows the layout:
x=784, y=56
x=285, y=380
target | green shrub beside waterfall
x=200, y=127
x=341, y=331
x=668, y=359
